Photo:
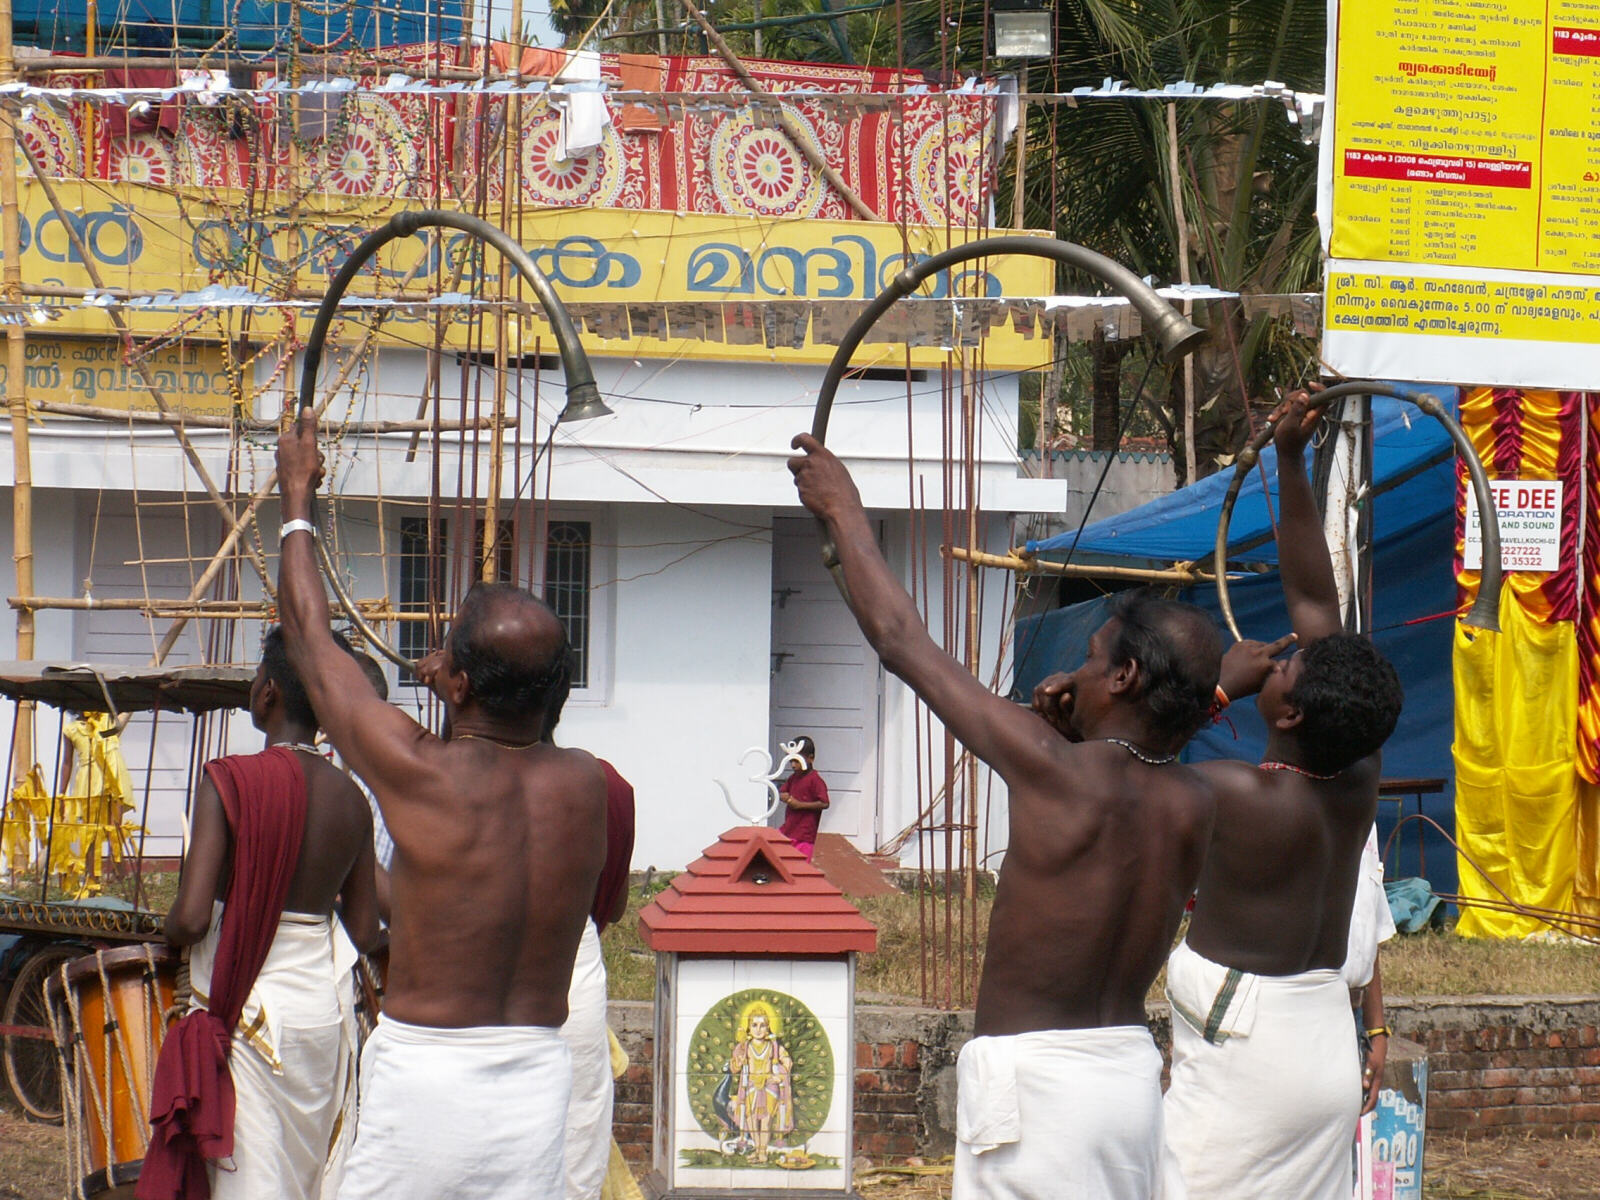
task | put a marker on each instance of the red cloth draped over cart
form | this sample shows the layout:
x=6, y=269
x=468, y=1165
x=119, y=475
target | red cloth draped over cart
x=192, y=1105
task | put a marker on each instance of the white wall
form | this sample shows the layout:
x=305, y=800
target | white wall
x=680, y=485
x=902, y=714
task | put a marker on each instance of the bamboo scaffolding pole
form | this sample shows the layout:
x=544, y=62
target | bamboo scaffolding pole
x=230, y=610
x=1024, y=563
x=16, y=397
x=247, y=516
x=73, y=234
x=787, y=123
x=200, y=421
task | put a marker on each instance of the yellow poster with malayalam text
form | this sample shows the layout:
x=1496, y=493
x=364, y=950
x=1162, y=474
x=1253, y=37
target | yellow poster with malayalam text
x=640, y=283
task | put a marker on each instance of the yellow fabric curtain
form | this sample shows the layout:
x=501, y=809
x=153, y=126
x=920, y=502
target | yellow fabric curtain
x=1516, y=779
x=1586, y=883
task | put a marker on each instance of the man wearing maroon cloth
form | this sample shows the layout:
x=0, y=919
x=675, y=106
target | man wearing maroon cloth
x=250, y=1087
x=806, y=796
x=499, y=840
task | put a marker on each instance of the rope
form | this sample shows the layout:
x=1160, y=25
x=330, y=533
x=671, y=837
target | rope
x=1554, y=918
x=101, y=1106
x=67, y=1064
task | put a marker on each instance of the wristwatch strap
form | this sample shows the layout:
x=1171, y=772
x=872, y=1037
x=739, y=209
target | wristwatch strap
x=294, y=526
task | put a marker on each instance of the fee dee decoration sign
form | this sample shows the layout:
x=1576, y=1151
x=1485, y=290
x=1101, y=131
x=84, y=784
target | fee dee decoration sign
x=1460, y=192
x=1530, y=525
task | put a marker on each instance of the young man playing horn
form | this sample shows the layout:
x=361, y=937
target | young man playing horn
x=1266, y=1084
x=1060, y=1092
x=499, y=841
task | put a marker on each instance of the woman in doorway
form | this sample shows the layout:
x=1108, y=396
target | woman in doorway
x=806, y=796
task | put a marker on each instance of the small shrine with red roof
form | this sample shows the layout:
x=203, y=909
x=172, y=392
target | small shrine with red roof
x=754, y=1023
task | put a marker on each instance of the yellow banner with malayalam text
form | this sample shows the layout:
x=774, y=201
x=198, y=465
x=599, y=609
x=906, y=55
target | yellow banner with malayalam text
x=654, y=284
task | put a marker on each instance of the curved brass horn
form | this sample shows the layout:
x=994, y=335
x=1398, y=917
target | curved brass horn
x=1485, y=611
x=1177, y=336
x=583, y=396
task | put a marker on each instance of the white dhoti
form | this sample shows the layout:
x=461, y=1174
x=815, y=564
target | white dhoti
x=1058, y=1114
x=1266, y=1085
x=293, y=1063
x=588, y=1138
x=467, y=1114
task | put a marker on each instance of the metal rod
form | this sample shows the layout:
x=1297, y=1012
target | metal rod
x=1177, y=336
x=1485, y=610
x=144, y=812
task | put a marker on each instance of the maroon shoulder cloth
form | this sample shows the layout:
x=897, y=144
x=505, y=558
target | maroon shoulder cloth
x=192, y=1101
x=619, y=845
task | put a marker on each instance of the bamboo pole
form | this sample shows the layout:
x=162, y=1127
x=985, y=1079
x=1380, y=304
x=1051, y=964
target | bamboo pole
x=199, y=421
x=230, y=610
x=118, y=320
x=16, y=396
x=786, y=122
x=247, y=516
x=1024, y=563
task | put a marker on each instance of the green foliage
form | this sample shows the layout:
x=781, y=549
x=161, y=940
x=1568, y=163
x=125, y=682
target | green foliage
x=1099, y=173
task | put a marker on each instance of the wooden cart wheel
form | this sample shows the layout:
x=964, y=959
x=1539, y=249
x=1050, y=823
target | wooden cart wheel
x=30, y=1063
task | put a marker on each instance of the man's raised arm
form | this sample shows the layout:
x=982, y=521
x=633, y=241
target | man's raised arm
x=1306, y=568
x=375, y=738
x=1008, y=737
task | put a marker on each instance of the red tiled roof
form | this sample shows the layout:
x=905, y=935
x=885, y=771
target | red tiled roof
x=752, y=892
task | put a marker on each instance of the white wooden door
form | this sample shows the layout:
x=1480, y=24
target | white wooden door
x=825, y=681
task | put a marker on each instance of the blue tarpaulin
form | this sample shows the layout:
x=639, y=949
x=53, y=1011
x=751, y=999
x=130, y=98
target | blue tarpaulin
x=1412, y=571
x=1182, y=526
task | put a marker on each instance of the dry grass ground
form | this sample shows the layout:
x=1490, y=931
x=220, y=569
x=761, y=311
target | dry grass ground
x=1503, y=1169
x=1426, y=964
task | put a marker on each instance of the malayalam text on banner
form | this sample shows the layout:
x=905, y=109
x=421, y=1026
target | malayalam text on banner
x=1462, y=191
x=151, y=241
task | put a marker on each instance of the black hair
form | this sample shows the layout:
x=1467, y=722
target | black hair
x=1349, y=697
x=275, y=662
x=373, y=670
x=502, y=687
x=1179, y=652
x=808, y=748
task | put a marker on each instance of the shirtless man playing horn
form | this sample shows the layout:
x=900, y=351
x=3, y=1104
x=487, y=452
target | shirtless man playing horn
x=499, y=840
x=1266, y=1084
x=1060, y=1091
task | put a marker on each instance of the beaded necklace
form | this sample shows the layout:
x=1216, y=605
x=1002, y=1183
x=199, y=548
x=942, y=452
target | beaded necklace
x=1275, y=765
x=1150, y=759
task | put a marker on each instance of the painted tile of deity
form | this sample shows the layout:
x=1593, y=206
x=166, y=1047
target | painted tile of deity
x=760, y=1082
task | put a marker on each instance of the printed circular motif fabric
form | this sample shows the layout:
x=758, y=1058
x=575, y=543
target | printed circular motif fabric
x=208, y=157
x=759, y=171
x=142, y=158
x=374, y=157
x=53, y=139
x=947, y=169
x=591, y=180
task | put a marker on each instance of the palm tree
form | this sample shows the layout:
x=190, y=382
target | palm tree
x=1246, y=180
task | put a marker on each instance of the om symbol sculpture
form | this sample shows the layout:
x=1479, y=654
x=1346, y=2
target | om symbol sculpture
x=767, y=776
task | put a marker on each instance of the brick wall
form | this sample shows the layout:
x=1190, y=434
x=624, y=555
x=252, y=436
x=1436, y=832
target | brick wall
x=1502, y=1064
x=1496, y=1065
